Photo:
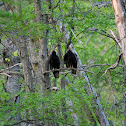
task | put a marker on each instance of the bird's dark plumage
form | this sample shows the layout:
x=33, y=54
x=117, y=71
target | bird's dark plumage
x=70, y=60
x=54, y=63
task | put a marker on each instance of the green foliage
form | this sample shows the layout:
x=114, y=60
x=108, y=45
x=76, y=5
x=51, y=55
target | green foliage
x=93, y=47
x=49, y=108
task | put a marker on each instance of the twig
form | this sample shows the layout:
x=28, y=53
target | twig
x=102, y=32
x=114, y=65
x=97, y=65
x=116, y=39
x=15, y=73
x=106, y=34
x=5, y=74
x=56, y=5
x=101, y=4
x=76, y=37
x=80, y=33
x=87, y=41
x=11, y=67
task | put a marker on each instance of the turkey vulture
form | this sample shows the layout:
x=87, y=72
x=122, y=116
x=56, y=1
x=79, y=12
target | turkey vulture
x=54, y=63
x=70, y=60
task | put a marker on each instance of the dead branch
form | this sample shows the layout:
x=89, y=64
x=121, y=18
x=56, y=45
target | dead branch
x=116, y=64
x=5, y=74
x=11, y=67
x=118, y=42
x=76, y=37
x=15, y=73
x=8, y=73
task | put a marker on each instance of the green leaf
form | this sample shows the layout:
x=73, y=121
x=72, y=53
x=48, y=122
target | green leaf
x=16, y=53
x=7, y=59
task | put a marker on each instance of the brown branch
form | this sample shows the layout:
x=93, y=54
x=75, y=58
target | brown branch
x=102, y=32
x=55, y=6
x=61, y=69
x=114, y=65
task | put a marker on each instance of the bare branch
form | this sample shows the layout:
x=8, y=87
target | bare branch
x=116, y=39
x=5, y=74
x=76, y=37
x=11, y=67
x=97, y=65
x=114, y=65
x=56, y=5
x=15, y=73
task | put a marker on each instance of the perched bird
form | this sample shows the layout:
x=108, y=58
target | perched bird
x=70, y=60
x=54, y=63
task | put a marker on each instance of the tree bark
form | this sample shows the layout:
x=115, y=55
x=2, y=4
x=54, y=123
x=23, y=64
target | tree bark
x=39, y=59
x=120, y=18
x=37, y=7
x=13, y=86
x=27, y=69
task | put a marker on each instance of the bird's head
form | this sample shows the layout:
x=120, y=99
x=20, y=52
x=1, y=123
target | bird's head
x=53, y=52
x=67, y=50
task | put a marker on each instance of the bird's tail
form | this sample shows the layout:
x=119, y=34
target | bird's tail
x=56, y=74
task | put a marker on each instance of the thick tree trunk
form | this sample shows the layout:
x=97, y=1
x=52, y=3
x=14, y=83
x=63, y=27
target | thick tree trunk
x=120, y=17
x=13, y=85
x=37, y=7
x=39, y=59
x=21, y=43
x=27, y=69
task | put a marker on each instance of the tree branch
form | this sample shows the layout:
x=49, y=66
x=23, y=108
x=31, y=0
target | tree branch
x=76, y=37
x=117, y=41
x=99, y=112
x=114, y=65
x=5, y=74
x=11, y=67
x=62, y=69
x=97, y=65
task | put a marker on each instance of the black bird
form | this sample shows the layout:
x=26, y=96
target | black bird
x=70, y=60
x=54, y=63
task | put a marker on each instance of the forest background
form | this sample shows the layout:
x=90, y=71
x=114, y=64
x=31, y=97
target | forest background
x=29, y=93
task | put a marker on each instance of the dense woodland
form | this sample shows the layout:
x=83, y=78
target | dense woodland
x=94, y=31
